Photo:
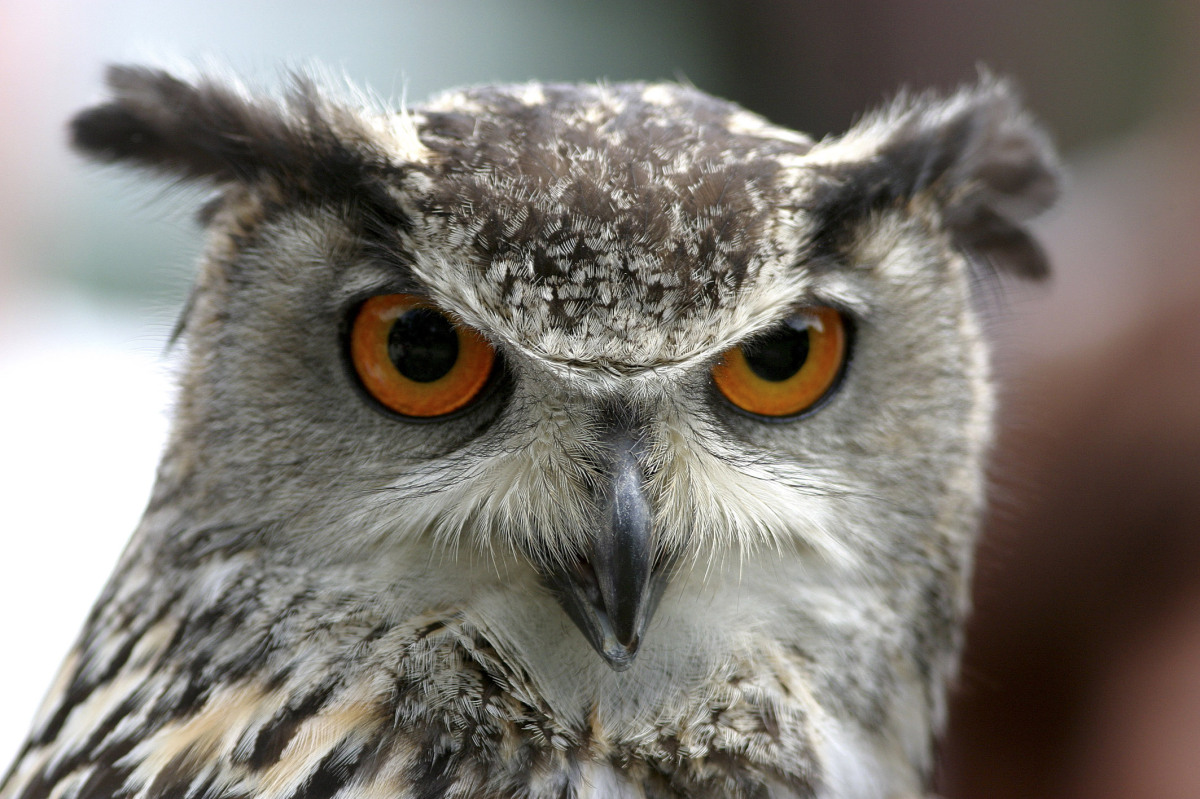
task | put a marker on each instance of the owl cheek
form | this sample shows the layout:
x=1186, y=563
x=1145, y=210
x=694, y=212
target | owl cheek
x=612, y=594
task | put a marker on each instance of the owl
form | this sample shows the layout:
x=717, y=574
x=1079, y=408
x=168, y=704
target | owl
x=551, y=441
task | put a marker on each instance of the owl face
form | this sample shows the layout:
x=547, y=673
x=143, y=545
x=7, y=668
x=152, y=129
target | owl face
x=604, y=335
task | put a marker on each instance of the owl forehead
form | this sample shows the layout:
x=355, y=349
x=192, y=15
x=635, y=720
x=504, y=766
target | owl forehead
x=601, y=210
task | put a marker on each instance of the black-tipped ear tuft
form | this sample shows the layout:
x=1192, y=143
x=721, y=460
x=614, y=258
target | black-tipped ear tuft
x=209, y=129
x=977, y=154
x=201, y=130
x=112, y=133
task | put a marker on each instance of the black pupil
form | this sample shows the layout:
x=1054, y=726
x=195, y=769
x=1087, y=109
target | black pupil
x=780, y=354
x=423, y=345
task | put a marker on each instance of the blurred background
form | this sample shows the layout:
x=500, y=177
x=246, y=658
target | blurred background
x=1082, y=673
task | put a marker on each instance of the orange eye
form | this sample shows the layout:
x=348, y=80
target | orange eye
x=790, y=369
x=414, y=359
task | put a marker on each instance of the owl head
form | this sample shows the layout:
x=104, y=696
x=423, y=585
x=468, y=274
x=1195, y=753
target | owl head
x=599, y=349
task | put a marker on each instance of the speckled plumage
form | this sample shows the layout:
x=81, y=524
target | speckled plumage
x=323, y=600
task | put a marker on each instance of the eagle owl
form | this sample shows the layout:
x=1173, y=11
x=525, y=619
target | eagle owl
x=551, y=441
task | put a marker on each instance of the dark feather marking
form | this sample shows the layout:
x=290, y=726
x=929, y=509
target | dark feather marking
x=82, y=684
x=849, y=193
x=38, y=787
x=374, y=757
x=90, y=752
x=331, y=774
x=987, y=168
x=195, y=688
x=421, y=633
x=434, y=771
x=106, y=780
x=172, y=780
x=1001, y=244
x=274, y=736
x=208, y=131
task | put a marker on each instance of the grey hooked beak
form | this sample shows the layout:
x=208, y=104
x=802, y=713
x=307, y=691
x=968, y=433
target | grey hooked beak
x=612, y=594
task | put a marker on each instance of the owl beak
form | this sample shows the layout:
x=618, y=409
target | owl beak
x=612, y=594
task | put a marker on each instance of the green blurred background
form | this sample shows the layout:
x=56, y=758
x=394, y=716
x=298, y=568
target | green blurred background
x=1083, y=669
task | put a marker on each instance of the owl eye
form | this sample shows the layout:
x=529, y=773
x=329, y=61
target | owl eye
x=789, y=370
x=414, y=359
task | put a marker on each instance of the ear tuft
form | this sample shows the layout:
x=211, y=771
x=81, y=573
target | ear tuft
x=210, y=129
x=201, y=130
x=977, y=154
